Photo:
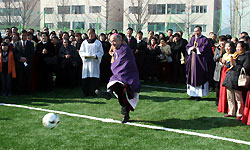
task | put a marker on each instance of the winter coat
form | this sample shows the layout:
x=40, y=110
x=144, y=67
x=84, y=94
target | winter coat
x=231, y=80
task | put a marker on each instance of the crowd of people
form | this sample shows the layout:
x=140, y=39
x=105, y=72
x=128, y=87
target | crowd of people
x=43, y=60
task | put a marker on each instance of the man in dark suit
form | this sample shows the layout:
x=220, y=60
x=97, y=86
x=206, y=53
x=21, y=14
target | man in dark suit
x=23, y=53
x=130, y=40
x=140, y=53
x=178, y=49
x=169, y=34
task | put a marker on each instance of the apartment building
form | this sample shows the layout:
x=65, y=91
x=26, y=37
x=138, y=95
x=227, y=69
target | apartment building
x=160, y=15
x=82, y=14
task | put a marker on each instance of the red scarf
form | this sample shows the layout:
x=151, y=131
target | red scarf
x=11, y=64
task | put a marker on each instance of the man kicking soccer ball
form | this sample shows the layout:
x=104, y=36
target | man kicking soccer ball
x=125, y=82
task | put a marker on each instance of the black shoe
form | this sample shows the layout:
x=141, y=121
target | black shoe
x=103, y=94
x=197, y=98
x=216, y=103
x=125, y=119
x=3, y=94
x=191, y=98
x=84, y=95
x=9, y=93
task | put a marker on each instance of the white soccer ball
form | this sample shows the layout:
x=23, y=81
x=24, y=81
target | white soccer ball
x=51, y=120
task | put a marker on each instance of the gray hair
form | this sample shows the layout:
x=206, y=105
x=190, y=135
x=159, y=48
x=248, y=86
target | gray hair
x=117, y=36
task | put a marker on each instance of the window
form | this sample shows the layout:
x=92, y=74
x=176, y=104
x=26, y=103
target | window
x=134, y=10
x=3, y=12
x=204, y=27
x=63, y=25
x=63, y=9
x=16, y=11
x=137, y=27
x=205, y=9
x=156, y=9
x=199, y=9
x=156, y=27
x=78, y=9
x=10, y=12
x=48, y=10
x=95, y=25
x=9, y=0
x=94, y=9
x=193, y=9
x=176, y=8
x=176, y=26
x=49, y=25
x=78, y=25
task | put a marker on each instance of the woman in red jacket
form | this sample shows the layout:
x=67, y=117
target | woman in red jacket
x=7, y=68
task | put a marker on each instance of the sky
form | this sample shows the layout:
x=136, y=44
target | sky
x=226, y=17
x=225, y=14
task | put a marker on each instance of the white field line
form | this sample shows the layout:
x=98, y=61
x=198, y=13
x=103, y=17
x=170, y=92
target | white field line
x=161, y=87
x=166, y=88
x=132, y=124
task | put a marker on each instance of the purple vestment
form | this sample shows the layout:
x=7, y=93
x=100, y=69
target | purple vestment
x=203, y=62
x=124, y=68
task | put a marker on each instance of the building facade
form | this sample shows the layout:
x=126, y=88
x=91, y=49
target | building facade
x=160, y=15
x=24, y=13
x=82, y=14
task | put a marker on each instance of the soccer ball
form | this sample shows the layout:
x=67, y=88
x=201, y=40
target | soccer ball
x=51, y=120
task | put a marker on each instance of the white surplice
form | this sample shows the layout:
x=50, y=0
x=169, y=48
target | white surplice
x=91, y=66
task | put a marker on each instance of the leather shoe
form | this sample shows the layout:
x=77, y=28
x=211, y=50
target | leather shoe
x=197, y=98
x=191, y=97
x=125, y=118
x=238, y=118
x=229, y=116
x=103, y=94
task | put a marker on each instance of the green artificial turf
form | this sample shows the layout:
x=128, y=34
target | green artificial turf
x=22, y=128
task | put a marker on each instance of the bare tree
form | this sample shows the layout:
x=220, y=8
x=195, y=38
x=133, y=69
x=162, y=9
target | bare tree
x=188, y=18
x=7, y=12
x=64, y=10
x=27, y=7
x=139, y=11
x=231, y=16
x=18, y=11
x=240, y=7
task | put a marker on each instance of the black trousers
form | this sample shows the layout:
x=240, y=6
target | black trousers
x=118, y=88
x=24, y=74
x=217, y=90
x=69, y=75
x=89, y=85
x=5, y=82
x=45, y=80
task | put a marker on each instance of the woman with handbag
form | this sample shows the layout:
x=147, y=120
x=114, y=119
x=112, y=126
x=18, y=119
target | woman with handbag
x=234, y=92
x=222, y=105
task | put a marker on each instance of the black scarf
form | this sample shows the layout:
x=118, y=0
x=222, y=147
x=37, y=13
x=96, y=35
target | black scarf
x=91, y=40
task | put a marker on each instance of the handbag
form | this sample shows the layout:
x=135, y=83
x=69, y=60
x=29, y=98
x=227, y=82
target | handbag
x=183, y=59
x=243, y=79
x=170, y=59
x=161, y=57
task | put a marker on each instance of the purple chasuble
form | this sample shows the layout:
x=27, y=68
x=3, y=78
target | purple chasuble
x=201, y=67
x=124, y=68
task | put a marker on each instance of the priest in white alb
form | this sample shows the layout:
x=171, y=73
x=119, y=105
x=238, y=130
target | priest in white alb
x=91, y=53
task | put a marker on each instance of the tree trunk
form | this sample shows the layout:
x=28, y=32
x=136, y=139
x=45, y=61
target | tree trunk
x=239, y=25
